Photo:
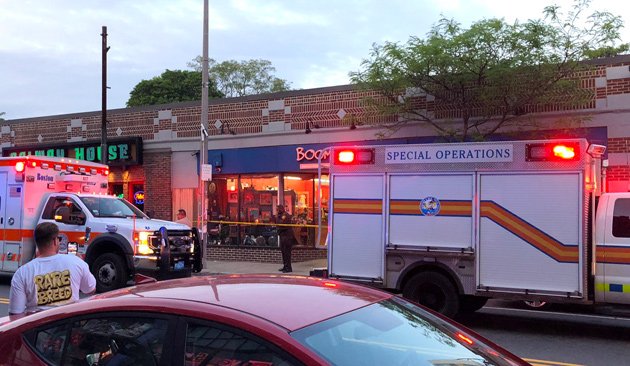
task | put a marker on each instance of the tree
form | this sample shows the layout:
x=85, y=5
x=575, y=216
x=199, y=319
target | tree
x=171, y=86
x=237, y=79
x=470, y=83
x=2, y=114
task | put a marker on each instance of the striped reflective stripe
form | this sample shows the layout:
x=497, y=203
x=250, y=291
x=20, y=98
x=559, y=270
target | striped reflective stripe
x=15, y=234
x=612, y=287
x=358, y=206
x=447, y=208
x=529, y=233
x=613, y=255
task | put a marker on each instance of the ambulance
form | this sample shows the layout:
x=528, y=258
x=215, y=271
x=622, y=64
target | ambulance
x=453, y=225
x=115, y=238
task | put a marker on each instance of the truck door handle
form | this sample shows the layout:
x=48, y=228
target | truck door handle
x=1, y=220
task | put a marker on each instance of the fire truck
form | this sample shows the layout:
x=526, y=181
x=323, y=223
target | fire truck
x=116, y=239
x=453, y=225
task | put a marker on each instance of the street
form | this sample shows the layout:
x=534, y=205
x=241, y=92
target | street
x=554, y=337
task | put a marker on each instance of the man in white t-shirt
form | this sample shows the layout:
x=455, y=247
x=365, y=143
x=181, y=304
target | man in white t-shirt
x=182, y=218
x=50, y=279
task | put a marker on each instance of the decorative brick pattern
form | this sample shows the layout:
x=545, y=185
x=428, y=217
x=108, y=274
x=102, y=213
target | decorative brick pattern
x=261, y=254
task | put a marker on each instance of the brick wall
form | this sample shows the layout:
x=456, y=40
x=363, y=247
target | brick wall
x=261, y=254
x=157, y=171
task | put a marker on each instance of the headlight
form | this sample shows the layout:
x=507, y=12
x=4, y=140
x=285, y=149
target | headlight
x=143, y=243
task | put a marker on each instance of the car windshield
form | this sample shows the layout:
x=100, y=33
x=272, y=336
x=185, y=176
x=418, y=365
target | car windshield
x=111, y=207
x=392, y=332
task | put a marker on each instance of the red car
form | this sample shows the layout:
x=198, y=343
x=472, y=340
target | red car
x=244, y=320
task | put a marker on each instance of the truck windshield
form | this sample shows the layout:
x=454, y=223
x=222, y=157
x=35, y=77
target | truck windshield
x=111, y=207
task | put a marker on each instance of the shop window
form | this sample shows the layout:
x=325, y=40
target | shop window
x=116, y=189
x=249, y=202
x=137, y=195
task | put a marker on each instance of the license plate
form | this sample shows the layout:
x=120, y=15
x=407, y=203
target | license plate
x=179, y=265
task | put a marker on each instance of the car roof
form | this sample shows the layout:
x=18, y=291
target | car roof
x=292, y=302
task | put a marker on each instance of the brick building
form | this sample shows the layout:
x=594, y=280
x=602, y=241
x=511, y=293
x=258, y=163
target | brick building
x=264, y=148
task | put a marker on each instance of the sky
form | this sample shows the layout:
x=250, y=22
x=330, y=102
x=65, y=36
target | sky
x=50, y=51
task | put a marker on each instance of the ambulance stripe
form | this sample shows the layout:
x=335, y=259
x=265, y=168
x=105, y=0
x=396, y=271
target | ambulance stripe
x=612, y=287
x=529, y=233
x=613, y=255
x=358, y=206
x=447, y=208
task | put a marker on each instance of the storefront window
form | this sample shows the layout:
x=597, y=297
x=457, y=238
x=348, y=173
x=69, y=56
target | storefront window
x=242, y=208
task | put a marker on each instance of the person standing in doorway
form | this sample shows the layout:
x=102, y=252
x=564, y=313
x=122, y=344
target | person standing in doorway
x=50, y=279
x=182, y=218
x=285, y=235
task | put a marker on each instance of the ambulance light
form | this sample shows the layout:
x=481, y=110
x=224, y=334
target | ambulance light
x=57, y=167
x=106, y=172
x=553, y=151
x=44, y=165
x=19, y=166
x=81, y=170
x=68, y=187
x=93, y=171
x=34, y=164
x=354, y=156
x=70, y=168
x=50, y=185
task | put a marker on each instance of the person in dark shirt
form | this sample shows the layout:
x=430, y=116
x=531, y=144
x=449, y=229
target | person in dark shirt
x=285, y=234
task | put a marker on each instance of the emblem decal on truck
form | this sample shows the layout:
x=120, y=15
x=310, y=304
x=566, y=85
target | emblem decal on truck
x=430, y=206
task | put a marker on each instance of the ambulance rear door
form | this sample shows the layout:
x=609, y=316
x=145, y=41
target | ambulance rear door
x=11, y=211
x=357, y=248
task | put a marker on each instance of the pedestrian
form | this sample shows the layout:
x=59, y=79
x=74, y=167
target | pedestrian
x=182, y=218
x=285, y=235
x=50, y=278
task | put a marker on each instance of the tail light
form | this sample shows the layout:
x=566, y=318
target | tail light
x=354, y=156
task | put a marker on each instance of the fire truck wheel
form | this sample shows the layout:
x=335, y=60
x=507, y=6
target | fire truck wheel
x=470, y=304
x=434, y=291
x=110, y=272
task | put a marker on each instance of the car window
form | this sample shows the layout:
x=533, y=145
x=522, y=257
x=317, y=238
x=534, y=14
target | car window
x=51, y=342
x=216, y=345
x=55, y=202
x=392, y=332
x=116, y=341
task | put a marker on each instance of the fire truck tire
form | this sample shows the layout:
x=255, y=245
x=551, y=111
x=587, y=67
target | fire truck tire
x=110, y=272
x=434, y=291
x=470, y=304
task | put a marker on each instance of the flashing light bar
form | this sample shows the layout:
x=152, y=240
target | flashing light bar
x=354, y=156
x=19, y=166
x=553, y=152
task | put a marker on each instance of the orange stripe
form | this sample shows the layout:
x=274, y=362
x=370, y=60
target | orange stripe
x=613, y=255
x=447, y=208
x=358, y=206
x=529, y=233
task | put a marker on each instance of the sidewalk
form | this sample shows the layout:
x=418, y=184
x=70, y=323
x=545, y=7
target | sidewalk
x=227, y=267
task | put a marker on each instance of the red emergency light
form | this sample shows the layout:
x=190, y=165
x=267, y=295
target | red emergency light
x=552, y=151
x=19, y=166
x=354, y=156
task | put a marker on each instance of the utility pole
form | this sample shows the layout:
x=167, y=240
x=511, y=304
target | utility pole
x=203, y=151
x=104, y=99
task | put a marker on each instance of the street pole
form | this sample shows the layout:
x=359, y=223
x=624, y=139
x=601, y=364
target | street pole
x=202, y=215
x=104, y=50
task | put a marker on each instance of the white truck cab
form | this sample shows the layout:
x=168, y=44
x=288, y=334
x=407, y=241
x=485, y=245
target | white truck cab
x=115, y=238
